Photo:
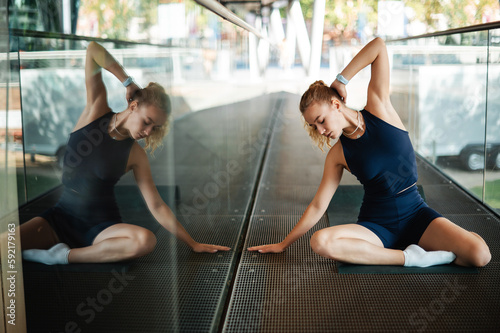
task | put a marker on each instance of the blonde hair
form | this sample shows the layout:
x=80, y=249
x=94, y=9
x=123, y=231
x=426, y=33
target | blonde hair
x=318, y=92
x=155, y=95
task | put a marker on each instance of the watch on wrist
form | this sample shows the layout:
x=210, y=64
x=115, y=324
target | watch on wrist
x=128, y=81
x=342, y=79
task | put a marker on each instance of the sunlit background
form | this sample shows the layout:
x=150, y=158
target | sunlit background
x=206, y=62
x=227, y=85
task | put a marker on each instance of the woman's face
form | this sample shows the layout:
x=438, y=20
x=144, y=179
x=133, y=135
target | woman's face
x=325, y=118
x=144, y=119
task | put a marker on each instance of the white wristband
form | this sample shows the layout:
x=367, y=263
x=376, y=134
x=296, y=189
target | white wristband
x=128, y=81
x=342, y=79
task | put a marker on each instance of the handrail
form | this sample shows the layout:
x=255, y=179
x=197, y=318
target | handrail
x=45, y=34
x=211, y=5
x=226, y=14
x=471, y=28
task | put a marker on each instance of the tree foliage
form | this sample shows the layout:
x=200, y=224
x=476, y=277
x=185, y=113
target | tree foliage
x=114, y=16
x=435, y=14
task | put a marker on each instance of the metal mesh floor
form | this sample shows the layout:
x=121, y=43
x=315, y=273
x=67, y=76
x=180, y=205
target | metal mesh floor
x=212, y=158
x=299, y=291
x=175, y=290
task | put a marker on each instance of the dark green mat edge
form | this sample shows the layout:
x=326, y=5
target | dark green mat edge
x=344, y=268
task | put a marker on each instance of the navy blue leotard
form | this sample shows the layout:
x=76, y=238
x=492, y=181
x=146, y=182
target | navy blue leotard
x=93, y=164
x=384, y=161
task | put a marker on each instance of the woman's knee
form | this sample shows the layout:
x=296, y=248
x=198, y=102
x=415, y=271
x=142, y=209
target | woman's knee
x=321, y=242
x=480, y=254
x=144, y=241
x=37, y=234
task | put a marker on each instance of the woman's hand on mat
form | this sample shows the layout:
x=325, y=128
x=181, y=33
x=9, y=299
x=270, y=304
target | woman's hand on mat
x=340, y=87
x=269, y=248
x=199, y=247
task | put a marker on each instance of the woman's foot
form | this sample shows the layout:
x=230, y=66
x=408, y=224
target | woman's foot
x=415, y=256
x=57, y=254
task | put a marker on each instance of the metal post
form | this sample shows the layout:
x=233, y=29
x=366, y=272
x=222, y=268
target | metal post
x=297, y=19
x=276, y=31
x=317, y=37
x=291, y=37
x=252, y=52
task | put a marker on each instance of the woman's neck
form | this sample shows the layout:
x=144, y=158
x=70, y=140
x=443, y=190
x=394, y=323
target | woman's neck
x=355, y=123
x=118, y=128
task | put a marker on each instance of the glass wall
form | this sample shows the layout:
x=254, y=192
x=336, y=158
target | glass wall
x=45, y=70
x=12, y=310
x=205, y=171
x=492, y=170
x=45, y=76
x=447, y=84
x=222, y=113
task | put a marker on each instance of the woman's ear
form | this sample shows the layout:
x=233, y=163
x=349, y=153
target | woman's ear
x=133, y=105
x=335, y=104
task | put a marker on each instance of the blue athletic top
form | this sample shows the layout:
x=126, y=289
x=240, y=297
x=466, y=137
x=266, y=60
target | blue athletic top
x=93, y=164
x=382, y=159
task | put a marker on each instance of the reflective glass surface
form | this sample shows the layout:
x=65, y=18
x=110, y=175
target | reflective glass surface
x=12, y=309
x=492, y=170
x=205, y=171
x=447, y=87
x=226, y=88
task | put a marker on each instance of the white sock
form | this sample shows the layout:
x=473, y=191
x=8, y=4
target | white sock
x=57, y=254
x=415, y=256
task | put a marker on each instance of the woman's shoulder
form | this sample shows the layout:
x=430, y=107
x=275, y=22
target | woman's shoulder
x=385, y=112
x=137, y=157
x=137, y=153
x=335, y=155
x=89, y=115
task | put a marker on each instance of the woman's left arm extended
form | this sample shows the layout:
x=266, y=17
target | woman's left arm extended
x=161, y=212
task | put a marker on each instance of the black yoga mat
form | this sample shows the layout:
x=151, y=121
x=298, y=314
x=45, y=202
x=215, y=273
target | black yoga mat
x=382, y=269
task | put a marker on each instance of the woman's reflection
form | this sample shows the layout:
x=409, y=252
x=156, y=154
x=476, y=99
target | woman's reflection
x=85, y=226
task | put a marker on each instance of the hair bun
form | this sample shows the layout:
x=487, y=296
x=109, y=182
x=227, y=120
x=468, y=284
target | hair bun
x=318, y=83
x=154, y=85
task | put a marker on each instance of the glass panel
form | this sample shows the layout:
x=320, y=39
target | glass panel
x=492, y=174
x=211, y=158
x=47, y=78
x=450, y=121
x=15, y=119
x=403, y=81
x=12, y=310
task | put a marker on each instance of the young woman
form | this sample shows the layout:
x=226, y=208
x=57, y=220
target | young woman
x=85, y=226
x=374, y=146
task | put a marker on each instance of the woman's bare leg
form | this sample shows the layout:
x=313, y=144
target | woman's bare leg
x=116, y=243
x=37, y=234
x=469, y=247
x=353, y=243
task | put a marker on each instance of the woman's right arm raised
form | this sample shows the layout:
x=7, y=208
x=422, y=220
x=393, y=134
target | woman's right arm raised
x=329, y=184
x=98, y=58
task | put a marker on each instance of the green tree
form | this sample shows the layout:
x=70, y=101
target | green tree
x=454, y=13
x=114, y=16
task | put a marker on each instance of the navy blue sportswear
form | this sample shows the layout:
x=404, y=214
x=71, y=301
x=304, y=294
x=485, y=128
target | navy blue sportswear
x=93, y=164
x=384, y=161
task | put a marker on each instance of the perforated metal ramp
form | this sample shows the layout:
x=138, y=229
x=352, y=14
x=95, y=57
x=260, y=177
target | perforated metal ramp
x=176, y=290
x=213, y=157
x=299, y=291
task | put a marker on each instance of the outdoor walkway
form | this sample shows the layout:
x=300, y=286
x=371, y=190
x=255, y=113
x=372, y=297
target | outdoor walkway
x=241, y=175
